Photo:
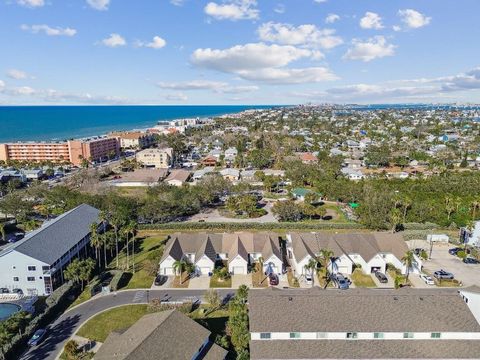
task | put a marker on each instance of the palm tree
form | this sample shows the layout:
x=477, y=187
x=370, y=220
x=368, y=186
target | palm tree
x=3, y=232
x=324, y=257
x=395, y=218
x=449, y=206
x=96, y=242
x=179, y=266
x=311, y=266
x=133, y=231
x=408, y=260
x=474, y=206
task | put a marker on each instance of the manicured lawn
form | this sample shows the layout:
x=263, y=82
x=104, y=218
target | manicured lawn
x=214, y=321
x=291, y=280
x=99, y=327
x=84, y=296
x=258, y=277
x=148, y=249
x=362, y=280
x=447, y=283
x=181, y=282
x=216, y=282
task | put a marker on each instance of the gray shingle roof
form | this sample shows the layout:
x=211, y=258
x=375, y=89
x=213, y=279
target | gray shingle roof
x=366, y=245
x=56, y=237
x=364, y=349
x=360, y=310
x=168, y=335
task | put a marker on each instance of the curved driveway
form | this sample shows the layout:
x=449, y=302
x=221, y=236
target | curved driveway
x=70, y=321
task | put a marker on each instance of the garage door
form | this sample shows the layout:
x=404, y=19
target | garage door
x=204, y=270
x=344, y=269
x=168, y=271
x=239, y=270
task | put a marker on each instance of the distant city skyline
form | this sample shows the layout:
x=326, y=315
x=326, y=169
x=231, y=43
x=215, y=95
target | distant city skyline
x=238, y=51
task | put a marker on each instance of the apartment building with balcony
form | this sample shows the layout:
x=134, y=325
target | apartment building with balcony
x=35, y=264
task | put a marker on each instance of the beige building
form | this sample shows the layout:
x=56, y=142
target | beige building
x=157, y=158
x=134, y=139
x=74, y=151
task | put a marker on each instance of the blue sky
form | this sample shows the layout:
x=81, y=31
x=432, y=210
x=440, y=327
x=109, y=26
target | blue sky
x=238, y=51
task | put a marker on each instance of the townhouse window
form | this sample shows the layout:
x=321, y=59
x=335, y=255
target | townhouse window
x=294, y=335
x=436, y=335
x=265, y=336
x=352, y=335
x=30, y=278
x=15, y=278
x=32, y=268
x=378, y=335
x=321, y=335
x=408, y=335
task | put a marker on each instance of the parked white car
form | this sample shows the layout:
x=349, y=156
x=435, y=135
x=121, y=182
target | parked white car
x=427, y=279
x=308, y=279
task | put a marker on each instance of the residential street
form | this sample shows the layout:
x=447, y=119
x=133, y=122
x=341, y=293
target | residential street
x=68, y=323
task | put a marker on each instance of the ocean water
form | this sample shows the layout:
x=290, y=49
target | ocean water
x=24, y=123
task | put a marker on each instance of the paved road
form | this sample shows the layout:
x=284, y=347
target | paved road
x=68, y=323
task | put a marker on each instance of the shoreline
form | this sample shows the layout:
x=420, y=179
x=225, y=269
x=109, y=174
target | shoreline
x=52, y=133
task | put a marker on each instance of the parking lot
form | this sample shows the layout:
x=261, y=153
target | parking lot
x=468, y=274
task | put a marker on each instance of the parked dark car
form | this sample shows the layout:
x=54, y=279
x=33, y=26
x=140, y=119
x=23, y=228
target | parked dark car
x=341, y=282
x=160, y=280
x=443, y=275
x=381, y=277
x=454, y=251
x=4, y=291
x=37, y=337
x=470, y=260
x=418, y=251
x=273, y=279
x=17, y=291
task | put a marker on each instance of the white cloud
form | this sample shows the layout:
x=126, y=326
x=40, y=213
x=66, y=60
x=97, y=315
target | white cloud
x=216, y=86
x=373, y=48
x=176, y=97
x=331, y=18
x=114, y=40
x=50, y=31
x=233, y=10
x=101, y=5
x=248, y=57
x=279, y=9
x=261, y=62
x=307, y=35
x=289, y=76
x=17, y=74
x=320, y=1
x=177, y=2
x=2, y=84
x=371, y=20
x=396, y=28
x=467, y=81
x=156, y=43
x=193, y=85
x=413, y=19
x=237, y=89
x=31, y=3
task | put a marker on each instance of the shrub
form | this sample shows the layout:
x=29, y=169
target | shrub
x=423, y=255
x=157, y=305
x=117, y=281
x=461, y=254
x=420, y=226
x=250, y=225
x=59, y=294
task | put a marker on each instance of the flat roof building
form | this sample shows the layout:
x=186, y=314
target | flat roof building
x=73, y=151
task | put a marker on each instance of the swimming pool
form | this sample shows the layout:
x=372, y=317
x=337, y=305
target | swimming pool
x=7, y=310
